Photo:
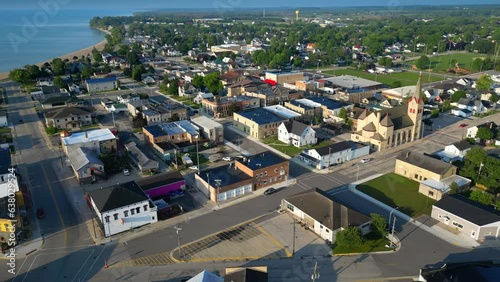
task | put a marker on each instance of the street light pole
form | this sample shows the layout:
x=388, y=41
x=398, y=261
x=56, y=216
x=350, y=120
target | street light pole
x=293, y=247
x=197, y=155
x=390, y=214
x=392, y=235
x=177, y=229
x=357, y=173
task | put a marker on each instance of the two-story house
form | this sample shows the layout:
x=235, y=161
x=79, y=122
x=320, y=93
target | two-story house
x=68, y=117
x=333, y=154
x=122, y=207
x=296, y=133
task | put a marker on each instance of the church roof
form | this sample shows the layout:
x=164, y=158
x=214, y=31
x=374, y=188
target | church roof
x=378, y=137
x=370, y=127
x=386, y=121
x=364, y=114
x=398, y=116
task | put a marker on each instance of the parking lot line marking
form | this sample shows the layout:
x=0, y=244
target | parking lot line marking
x=274, y=240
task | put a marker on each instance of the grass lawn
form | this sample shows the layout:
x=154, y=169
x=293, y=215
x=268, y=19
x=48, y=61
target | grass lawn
x=371, y=244
x=442, y=63
x=406, y=78
x=4, y=130
x=398, y=191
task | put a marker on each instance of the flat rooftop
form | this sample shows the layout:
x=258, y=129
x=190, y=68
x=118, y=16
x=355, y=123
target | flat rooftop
x=102, y=134
x=263, y=160
x=329, y=103
x=261, y=116
x=349, y=82
x=306, y=103
x=227, y=174
x=172, y=128
x=282, y=111
x=205, y=122
x=444, y=185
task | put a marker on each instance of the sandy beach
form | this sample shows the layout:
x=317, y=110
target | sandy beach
x=88, y=50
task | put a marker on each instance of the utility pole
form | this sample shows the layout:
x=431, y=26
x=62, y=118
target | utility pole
x=329, y=157
x=293, y=247
x=197, y=155
x=176, y=164
x=315, y=274
x=392, y=235
x=177, y=229
x=217, y=184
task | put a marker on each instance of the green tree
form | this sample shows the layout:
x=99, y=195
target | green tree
x=484, y=133
x=138, y=71
x=481, y=197
x=349, y=122
x=484, y=83
x=349, y=237
x=118, y=84
x=33, y=71
x=59, y=82
x=127, y=72
x=96, y=55
x=423, y=62
x=396, y=84
x=198, y=81
x=385, y=61
x=132, y=58
x=173, y=87
x=58, y=66
x=494, y=97
x=19, y=75
x=51, y=130
x=455, y=97
x=343, y=113
x=87, y=72
x=213, y=83
x=378, y=225
x=453, y=188
x=435, y=113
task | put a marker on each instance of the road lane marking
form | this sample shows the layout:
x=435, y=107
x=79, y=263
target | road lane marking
x=56, y=205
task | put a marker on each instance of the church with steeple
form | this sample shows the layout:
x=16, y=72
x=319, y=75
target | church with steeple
x=393, y=126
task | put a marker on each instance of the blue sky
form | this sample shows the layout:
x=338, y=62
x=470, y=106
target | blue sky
x=166, y=4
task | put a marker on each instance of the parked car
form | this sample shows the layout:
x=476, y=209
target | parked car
x=227, y=159
x=179, y=193
x=463, y=125
x=40, y=213
x=21, y=121
x=170, y=211
x=270, y=191
x=126, y=172
x=194, y=167
x=365, y=160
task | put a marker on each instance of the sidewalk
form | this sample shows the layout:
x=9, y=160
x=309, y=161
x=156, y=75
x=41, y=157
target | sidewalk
x=455, y=239
x=31, y=246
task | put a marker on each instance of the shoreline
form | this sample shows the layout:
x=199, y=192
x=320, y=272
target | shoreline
x=84, y=51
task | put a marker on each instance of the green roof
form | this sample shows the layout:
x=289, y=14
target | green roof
x=119, y=105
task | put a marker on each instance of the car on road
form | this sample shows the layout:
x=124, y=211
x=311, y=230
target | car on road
x=126, y=172
x=463, y=125
x=194, y=167
x=227, y=159
x=21, y=121
x=270, y=191
x=40, y=213
x=365, y=160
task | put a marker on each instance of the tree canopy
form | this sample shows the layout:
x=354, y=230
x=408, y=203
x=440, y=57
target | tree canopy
x=423, y=62
x=484, y=83
x=213, y=83
x=351, y=236
x=378, y=225
x=455, y=97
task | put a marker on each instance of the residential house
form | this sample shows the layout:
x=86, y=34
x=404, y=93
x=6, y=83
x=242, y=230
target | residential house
x=455, y=151
x=475, y=106
x=86, y=165
x=140, y=159
x=465, y=113
x=126, y=98
x=117, y=107
x=188, y=90
x=74, y=88
x=202, y=96
x=435, y=189
x=209, y=129
x=162, y=184
x=224, y=182
x=61, y=101
x=122, y=207
x=392, y=126
x=296, y=133
x=46, y=92
x=322, y=215
x=232, y=77
x=266, y=169
x=420, y=167
x=102, y=141
x=258, y=123
x=472, y=131
x=220, y=107
x=72, y=118
x=470, y=218
x=246, y=274
x=334, y=154
x=100, y=84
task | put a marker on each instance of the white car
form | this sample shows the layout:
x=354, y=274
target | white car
x=195, y=167
x=227, y=159
x=365, y=160
x=126, y=172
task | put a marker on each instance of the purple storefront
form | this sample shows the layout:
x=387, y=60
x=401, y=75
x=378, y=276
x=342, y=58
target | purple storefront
x=162, y=184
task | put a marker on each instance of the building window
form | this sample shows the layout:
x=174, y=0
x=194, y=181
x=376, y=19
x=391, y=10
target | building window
x=431, y=194
x=115, y=216
x=290, y=207
x=457, y=225
x=416, y=176
x=138, y=210
x=145, y=208
x=107, y=219
x=321, y=227
x=125, y=213
x=132, y=211
x=327, y=231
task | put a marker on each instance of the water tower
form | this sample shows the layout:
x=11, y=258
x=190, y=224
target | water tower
x=297, y=15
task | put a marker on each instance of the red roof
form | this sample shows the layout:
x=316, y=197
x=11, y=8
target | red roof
x=271, y=82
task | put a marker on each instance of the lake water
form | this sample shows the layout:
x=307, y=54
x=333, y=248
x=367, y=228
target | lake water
x=31, y=36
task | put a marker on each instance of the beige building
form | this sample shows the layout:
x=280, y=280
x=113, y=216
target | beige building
x=258, y=123
x=68, y=117
x=435, y=189
x=393, y=126
x=420, y=167
x=281, y=78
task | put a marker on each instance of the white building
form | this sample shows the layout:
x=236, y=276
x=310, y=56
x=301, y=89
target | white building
x=122, y=207
x=472, y=131
x=201, y=96
x=475, y=106
x=334, y=154
x=461, y=112
x=126, y=98
x=101, y=84
x=99, y=140
x=209, y=129
x=455, y=151
x=282, y=112
x=296, y=133
x=3, y=119
x=322, y=215
x=8, y=180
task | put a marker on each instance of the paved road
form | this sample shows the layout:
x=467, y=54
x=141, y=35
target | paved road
x=63, y=234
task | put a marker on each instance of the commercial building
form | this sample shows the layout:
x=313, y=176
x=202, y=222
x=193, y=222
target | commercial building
x=393, y=126
x=162, y=184
x=238, y=88
x=334, y=154
x=102, y=141
x=258, y=123
x=330, y=108
x=350, y=82
x=100, y=84
x=173, y=132
x=322, y=215
x=223, y=183
x=470, y=218
x=61, y=101
x=307, y=108
x=209, y=129
x=266, y=169
x=420, y=167
x=220, y=107
x=285, y=77
x=282, y=112
x=122, y=207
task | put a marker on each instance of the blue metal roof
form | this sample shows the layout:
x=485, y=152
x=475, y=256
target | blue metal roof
x=101, y=80
x=154, y=130
x=262, y=160
x=329, y=103
x=261, y=116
